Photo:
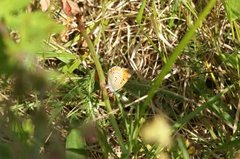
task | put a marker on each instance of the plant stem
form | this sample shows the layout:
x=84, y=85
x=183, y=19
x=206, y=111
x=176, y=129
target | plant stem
x=176, y=53
x=103, y=88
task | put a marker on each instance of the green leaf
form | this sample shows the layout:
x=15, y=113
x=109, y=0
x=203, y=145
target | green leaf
x=33, y=29
x=231, y=60
x=74, y=66
x=10, y=6
x=189, y=6
x=140, y=12
x=75, y=145
x=28, y=126
x=63, y=56
x=5, y=151
x=183, y=148
x=233, y=9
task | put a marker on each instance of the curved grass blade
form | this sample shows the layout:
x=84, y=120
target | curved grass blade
x=176, y=53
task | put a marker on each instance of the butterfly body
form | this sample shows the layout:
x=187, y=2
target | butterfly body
x=117, y=78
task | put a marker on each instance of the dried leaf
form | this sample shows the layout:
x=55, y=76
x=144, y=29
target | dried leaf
x=44, y=5
x=70, y=7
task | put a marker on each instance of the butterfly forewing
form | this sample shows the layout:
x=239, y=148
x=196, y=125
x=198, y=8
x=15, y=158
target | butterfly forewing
x=117, y=78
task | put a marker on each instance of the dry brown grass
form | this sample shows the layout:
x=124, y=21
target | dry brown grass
x=121, y=41
x=196, y=78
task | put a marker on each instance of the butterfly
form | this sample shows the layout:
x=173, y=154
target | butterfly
x=117, y=78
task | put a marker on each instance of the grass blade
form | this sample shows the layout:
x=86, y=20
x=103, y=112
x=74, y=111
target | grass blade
x=176, y=53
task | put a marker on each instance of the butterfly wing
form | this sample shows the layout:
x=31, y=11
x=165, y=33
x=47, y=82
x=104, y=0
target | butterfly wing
x=117, y=78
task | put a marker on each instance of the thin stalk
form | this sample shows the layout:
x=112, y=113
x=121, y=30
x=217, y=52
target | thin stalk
x=176, y=53
x=103, y=88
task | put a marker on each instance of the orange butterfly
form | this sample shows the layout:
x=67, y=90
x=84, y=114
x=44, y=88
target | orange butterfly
x=117, y=78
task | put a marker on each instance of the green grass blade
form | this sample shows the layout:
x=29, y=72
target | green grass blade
x=209, y=103
x=176, y=53
x=140, y=13
x=74, y=144
x=182, y=148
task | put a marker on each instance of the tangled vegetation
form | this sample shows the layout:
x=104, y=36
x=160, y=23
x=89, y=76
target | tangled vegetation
x=180, y=61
